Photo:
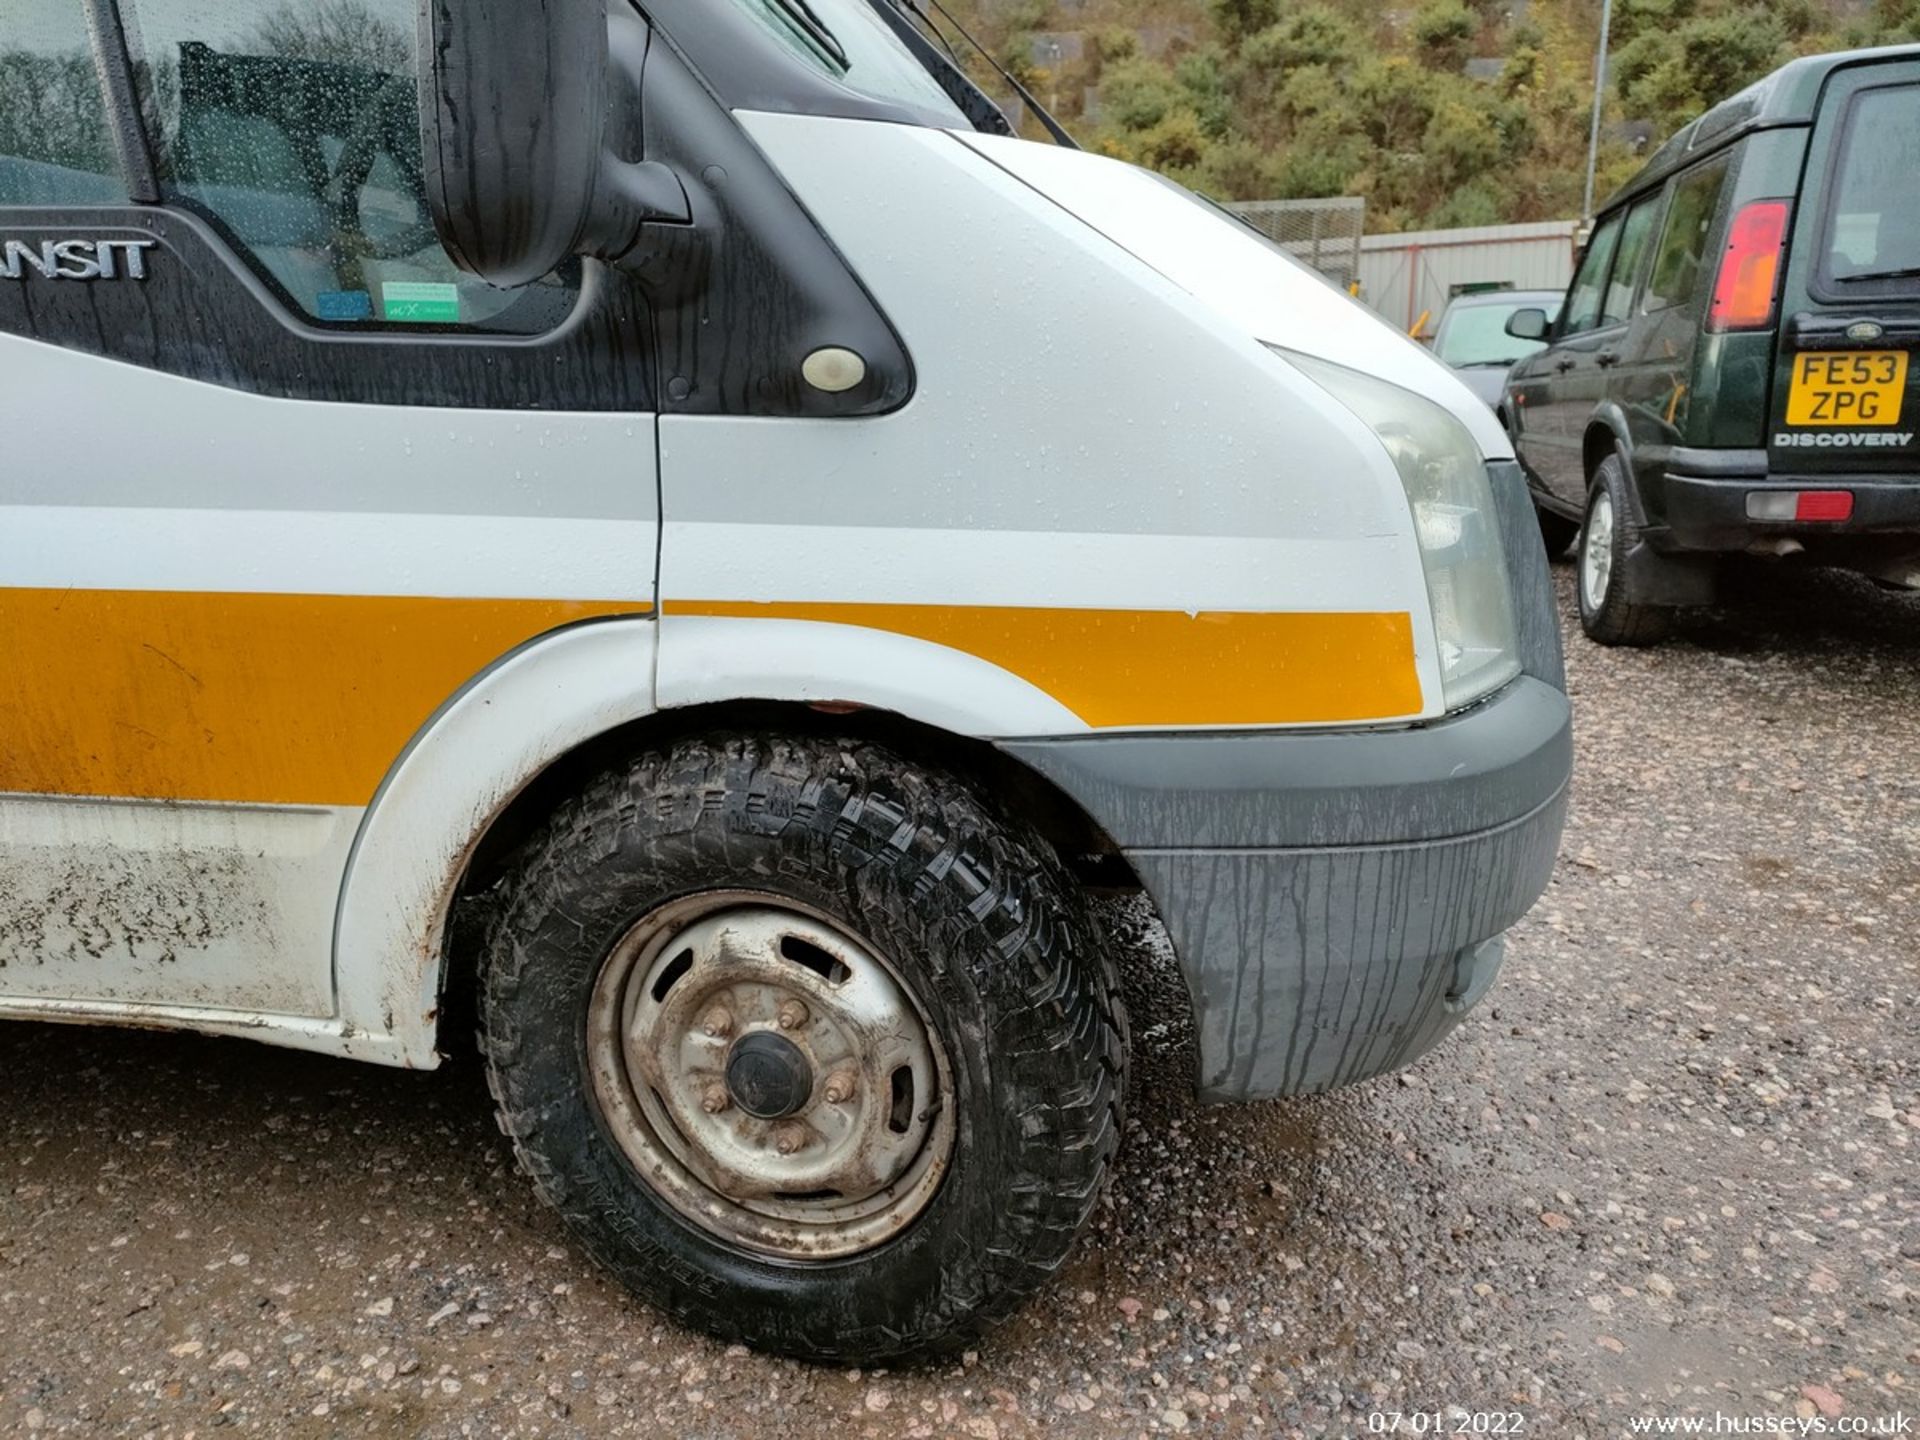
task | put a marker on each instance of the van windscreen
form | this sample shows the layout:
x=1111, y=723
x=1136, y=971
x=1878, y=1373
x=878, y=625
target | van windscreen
x=854, y=46
x=1873, y=220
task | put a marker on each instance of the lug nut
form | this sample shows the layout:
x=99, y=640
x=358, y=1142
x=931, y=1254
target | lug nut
x=792, y=1014
x=715, y=1099
x=719, y=1022
x=839, y=1088
x=789, y=1138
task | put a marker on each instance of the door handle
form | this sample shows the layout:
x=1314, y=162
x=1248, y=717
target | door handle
x=1563, y=364
x=1607, y=358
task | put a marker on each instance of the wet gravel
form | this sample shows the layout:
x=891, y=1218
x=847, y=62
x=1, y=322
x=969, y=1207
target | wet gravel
x=1669, y=1168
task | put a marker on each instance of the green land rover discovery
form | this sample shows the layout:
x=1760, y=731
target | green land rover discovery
x=1731, y=371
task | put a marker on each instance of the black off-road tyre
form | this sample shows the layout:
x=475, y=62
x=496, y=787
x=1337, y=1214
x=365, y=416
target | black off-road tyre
x=982, y=922
x=1610, y=612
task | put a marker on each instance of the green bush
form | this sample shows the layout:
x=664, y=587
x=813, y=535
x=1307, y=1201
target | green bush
x=1138, y=93
x=1669, y=77
x=1203, y=79
x=1324, y=97
x=1444, y=32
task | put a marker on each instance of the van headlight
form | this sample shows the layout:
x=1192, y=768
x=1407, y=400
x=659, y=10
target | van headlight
x=1445, y=476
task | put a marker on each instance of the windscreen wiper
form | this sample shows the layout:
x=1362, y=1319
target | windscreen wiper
x=943, y=64
x=815, y=29
x=1052, y=126
x=1902, y=272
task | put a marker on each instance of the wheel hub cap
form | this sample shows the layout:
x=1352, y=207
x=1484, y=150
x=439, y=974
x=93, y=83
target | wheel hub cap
x=1596, y=551
x=768, y=1076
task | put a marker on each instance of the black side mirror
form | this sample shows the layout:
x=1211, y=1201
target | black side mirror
x=1528, y=324
x=514, y=116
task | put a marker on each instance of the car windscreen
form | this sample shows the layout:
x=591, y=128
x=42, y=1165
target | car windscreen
x=1873, y=219
x=851, y=44
x=1477, y=334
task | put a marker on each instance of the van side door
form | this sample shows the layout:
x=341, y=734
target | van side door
x=280, y=481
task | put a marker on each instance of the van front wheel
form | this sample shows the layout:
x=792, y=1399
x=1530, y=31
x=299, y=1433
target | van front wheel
x=1610, y=612
x=808, y=1045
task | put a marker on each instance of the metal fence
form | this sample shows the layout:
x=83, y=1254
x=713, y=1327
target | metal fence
x=1410, y=278
x=1324, y=233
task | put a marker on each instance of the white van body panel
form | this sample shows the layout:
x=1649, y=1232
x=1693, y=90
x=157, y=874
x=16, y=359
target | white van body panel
x=322, y=552
x=211, y=448
x=438, y=801
x=1228, y=267
x=143, y=902
x=175, y=816
x=324, y=930
x=727, y=658
x=1049, y=459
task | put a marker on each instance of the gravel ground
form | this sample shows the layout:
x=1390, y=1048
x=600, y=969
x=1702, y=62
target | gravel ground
x=1669, y=1167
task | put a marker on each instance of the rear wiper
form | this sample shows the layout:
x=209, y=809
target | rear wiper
x=815, y=29
x=1903, y=272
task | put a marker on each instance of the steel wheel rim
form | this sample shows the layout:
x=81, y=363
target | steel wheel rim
x=700, y=1119
x=1596, y=551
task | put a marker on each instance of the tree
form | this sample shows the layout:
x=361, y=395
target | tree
x=1395, y=100
x=50, y=112
x=1138, y=93
x=1444, y=32
x=346, y=32
x=1305, y=172
x=1238, y=18
x=1314, y=34
x=1323, y=97
x=1634, y=18
x=1204, y=82
x=1238, y=169
x=1176, y=145
x=1461, y=143
x=1671, y=76
x=1480, y=203
x=1313, y=38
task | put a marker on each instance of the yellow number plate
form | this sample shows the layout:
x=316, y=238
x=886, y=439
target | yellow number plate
x=1847, y=387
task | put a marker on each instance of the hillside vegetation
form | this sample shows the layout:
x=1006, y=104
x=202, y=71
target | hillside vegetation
x=1446, y=112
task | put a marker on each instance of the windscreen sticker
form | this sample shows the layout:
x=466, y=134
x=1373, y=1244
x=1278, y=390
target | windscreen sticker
x=343, y=305
x=421, y=302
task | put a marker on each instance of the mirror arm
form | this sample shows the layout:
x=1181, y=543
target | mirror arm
x=628, y=194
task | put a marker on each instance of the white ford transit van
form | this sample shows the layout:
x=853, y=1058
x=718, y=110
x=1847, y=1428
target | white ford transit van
x=659, y=524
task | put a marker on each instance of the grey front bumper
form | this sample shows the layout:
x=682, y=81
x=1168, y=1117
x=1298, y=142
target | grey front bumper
x=1336, y=898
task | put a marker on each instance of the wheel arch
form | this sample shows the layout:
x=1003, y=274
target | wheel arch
x=496, y=759
x=1011, y=783
x=1015, y=785
x=1602, y=439
x=1606, y=435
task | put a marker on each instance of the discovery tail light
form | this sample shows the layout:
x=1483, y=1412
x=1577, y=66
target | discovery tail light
x=1749, y=278
x=1800, y=505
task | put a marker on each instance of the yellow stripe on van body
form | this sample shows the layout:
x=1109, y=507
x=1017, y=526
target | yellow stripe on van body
x=1120, y=669
x=250, y=698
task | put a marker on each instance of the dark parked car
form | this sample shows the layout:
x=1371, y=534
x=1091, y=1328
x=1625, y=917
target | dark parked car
x=1473, y=337
x=1731, y=370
